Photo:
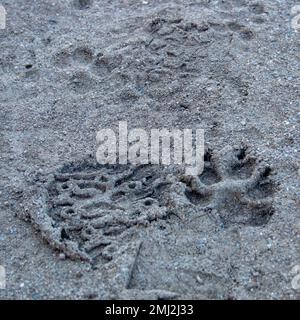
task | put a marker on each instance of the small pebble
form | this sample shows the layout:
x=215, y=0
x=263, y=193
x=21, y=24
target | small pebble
x=91, y=295
x=79, y=274
x=199, y=280
x=61, y=256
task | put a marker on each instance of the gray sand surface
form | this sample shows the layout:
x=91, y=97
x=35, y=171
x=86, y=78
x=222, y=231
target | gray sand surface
x=72, y=229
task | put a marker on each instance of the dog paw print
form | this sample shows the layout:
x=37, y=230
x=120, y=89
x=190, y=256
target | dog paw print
x=82, y=69
x=75, y=65
x=235, y=185
x=82, y=56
